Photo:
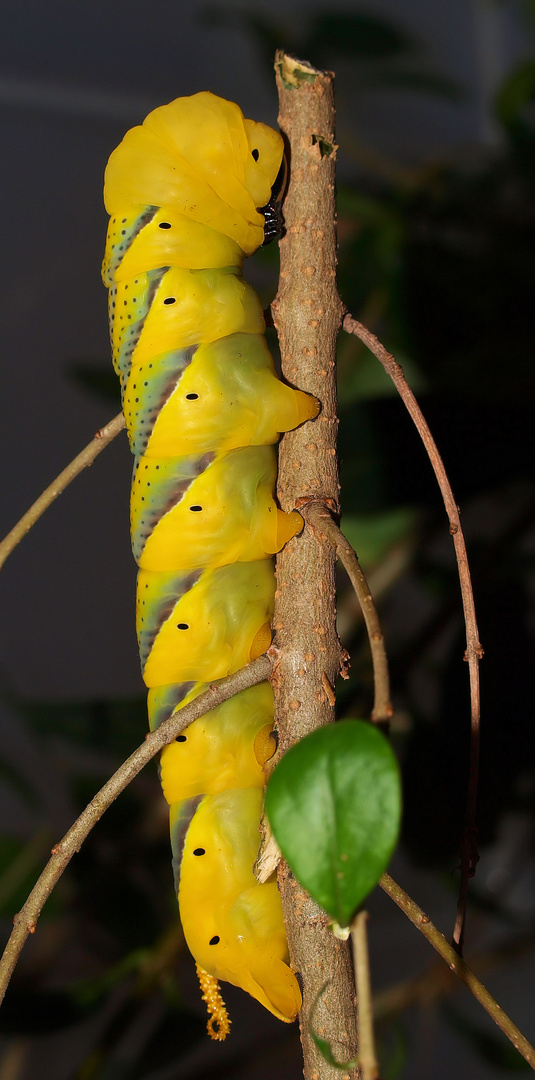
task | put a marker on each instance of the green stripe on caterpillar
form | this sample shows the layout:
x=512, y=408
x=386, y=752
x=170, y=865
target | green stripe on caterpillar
x=203, y=408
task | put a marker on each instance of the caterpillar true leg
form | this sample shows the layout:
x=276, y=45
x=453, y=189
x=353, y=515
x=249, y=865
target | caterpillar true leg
x=204, y=407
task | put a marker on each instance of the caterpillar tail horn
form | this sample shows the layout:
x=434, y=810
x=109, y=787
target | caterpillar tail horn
x=218, y=1025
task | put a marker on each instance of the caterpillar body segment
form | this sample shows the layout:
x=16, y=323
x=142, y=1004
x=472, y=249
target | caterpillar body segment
x=203, y=408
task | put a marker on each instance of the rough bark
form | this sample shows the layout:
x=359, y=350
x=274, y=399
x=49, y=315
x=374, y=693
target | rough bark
x=307, y=314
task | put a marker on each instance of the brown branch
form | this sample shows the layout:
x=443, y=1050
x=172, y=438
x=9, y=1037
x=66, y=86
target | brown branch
x=367, y=1055
x=82, y=460
x=26, y=920
x=456, y=964
x=307, y=314
x=474, y=651
x=317, y=515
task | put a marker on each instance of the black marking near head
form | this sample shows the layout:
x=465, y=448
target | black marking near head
x=199, y=851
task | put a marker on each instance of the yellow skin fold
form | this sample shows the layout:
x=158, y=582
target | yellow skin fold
x=203, y=407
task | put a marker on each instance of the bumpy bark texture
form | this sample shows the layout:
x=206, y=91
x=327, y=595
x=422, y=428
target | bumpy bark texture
x=307, y=314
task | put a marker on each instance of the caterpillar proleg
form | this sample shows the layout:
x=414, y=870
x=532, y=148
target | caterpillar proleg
x=203, y=408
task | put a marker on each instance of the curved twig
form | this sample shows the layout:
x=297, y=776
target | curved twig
x=318, y=515
x=81, y=461
x=474, y=651
x=26, y=920
x=456, y=964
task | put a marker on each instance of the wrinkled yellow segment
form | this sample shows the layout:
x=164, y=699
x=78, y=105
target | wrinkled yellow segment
x=211, y=628
x=239, y=936
x=228, y=514
x=204, y=407
x=220, y=749
x=171, y=239
x=195, y=305
x=191, y=154
x=239, y=401
x=261, y=172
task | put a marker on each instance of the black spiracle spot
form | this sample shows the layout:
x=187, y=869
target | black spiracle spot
x=170, y=300
x=199, y=851
x=180, y=738
x=255, y=154
x=215, y=940
x=183, y=626
x=164, y=225
x=192, y=397
x=196, y=508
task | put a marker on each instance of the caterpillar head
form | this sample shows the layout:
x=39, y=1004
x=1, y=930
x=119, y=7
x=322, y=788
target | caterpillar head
x=200, y=156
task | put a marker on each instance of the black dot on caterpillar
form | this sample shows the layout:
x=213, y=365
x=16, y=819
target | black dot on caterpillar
x=196, y=508
x=180, y=738
x=182, y=626
x=164, y=225
x=255, y=154
x=215, y=940
x=170, y=300
x=199, y=851
x=191, y=397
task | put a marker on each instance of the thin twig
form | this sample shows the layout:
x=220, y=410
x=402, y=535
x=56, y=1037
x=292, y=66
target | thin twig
x=318, y=515
x=474, y=651
x=81, y=461
x=359, y=940
x=456, y=964
x=26, y=920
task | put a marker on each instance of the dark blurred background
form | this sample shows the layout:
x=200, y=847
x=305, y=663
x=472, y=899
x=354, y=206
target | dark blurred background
x=437, y=255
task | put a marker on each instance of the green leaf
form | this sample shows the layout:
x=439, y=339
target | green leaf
x=334, y=804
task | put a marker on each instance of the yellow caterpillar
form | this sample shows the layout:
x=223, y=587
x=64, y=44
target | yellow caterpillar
x=203, y=408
